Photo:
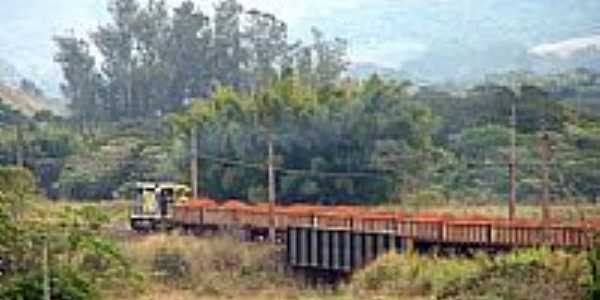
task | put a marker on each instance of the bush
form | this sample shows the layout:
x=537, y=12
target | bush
x=413, y=275
x=65, y=284
x=593, y=284
x=527, y=275
x=518, y=281
x=215, y=266
x=17, y=185
x=171, y=265
x=530, y=274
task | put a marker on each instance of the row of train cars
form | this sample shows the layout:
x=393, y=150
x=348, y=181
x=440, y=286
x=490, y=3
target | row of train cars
x=424, y=227
x=158, y=204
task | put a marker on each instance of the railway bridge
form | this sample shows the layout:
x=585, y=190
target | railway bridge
x=342, y=239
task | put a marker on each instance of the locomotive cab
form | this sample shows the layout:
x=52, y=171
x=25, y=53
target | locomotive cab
x=152, y=204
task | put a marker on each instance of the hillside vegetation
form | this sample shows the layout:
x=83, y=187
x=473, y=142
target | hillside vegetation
x=335, y=139
x=24, y=101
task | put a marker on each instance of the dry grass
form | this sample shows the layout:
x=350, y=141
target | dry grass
x=265, y=295
x=220, y=269
x=185, y=267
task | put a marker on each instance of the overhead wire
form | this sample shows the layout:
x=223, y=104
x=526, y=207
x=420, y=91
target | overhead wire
x=263, y=166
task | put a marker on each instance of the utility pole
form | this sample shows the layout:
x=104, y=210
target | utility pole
x=19, y=146
x=194, y=161
x=545, y=149
x=512, y=165
x=271, y=188
x=46, y=269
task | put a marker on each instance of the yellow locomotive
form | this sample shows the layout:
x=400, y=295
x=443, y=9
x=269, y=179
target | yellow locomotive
x=153, y=202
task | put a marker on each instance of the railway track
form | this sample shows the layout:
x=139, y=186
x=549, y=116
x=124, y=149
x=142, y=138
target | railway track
x=344, y=238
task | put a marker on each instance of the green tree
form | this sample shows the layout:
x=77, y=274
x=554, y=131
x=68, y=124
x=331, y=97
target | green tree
x=228, y=50
x=116, y=43
x=190, y=53
x=81, y=78
x=267, y=48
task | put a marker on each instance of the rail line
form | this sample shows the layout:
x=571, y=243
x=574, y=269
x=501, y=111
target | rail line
x=442, y=228
x=343, y=238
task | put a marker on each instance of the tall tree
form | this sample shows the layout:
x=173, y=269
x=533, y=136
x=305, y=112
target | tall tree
x=81, y=77
x=116, y=44
x=152, y=72
x=189, y=53
x=304, y=65
x=229, y=57
x=267, y=49
x=331, y=58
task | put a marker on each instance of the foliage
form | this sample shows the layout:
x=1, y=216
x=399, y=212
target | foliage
x=81, y=261
x=235, y=75
x=65, y=285
x=17, y=186
x=528, y=274
x=593, y=286
x=155, y=60
x=413, y=275
x=215, y=266
x=45, y=146
x=9, y=116
x=15, y=181
x=321, y=132
x=123, y=154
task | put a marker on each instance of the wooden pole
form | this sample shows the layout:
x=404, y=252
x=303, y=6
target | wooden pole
x=19, y=159
x=271, y=189
x=46, y=269
x=512, y=166
x=194, y=162
x=546, y=177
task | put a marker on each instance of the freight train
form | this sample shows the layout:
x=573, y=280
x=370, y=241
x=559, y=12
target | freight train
x=254, y=221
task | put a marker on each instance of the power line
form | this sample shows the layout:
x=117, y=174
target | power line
x=264, y=167
x=358, y=174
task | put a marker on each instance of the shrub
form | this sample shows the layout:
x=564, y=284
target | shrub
x=528, y=275
x=412, y=275
x=512, y=276
x=518, y=281
x=593, y=284
x=171, y=265
x=214, y=266
x=65, y=284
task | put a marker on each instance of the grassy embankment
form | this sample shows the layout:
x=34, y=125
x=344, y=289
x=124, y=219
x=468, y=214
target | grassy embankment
x=184, y=268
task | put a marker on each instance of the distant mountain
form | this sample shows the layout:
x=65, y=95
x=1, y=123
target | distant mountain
x=19, y=100
x=447, y=60
x=365, y=69
x=9, y=75
x=586, y=58
x=28, y=103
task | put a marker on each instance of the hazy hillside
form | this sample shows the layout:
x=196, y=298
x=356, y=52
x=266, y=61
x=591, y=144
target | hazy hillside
x=9, y=74
x=22, y=101
x=365, y=70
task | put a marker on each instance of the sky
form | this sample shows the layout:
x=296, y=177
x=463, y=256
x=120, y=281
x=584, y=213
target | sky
x=434, y=39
